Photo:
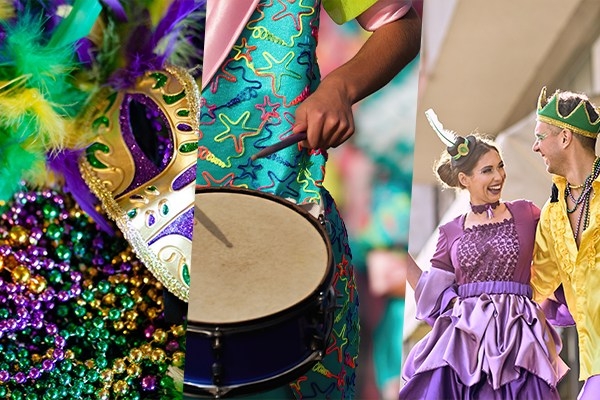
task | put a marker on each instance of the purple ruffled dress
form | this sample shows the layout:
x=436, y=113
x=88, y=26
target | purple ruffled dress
x=493, y=342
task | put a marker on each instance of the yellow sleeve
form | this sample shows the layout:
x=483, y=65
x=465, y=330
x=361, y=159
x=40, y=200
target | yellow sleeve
x=545, y=278
x=342, y=11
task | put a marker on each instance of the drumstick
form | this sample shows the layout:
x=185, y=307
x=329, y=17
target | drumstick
x=288, y=141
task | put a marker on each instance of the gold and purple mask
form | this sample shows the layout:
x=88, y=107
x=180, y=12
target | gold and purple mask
x=141, y=164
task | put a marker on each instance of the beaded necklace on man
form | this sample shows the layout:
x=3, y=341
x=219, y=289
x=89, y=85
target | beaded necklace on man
x=583, y=199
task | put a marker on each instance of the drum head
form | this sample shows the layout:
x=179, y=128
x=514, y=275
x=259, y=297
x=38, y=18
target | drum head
x=253, y=255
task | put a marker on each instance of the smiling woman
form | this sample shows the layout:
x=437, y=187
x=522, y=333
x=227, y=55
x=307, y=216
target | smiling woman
x=477, y=296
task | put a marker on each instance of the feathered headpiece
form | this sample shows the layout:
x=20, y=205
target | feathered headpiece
x=457, y=146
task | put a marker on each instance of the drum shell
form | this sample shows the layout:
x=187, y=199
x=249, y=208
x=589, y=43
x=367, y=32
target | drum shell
x=253, y=355
x=260, y=355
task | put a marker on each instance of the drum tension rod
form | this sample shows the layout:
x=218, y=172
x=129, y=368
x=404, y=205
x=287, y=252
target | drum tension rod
x=217, y=366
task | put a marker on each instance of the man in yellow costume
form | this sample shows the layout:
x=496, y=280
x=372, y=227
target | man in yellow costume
x=568, y=236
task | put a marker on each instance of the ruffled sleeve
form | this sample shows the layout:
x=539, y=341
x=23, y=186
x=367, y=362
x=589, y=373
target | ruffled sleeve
x=437, y=287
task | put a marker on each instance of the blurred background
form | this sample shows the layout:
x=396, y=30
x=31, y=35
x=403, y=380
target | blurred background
x=483, y=64
x=370, y=177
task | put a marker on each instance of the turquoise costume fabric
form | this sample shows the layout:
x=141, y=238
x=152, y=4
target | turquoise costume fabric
x=250, y=104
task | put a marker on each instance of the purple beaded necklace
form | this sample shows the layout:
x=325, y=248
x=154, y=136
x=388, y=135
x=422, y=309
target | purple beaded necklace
x=485, y=208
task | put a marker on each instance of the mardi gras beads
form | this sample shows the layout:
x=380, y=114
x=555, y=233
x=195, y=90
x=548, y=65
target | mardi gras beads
x=80, y=316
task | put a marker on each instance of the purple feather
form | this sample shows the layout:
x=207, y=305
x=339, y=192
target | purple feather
x=65, y=163
x=169, y=24
x=116, y=8
x=85, y=51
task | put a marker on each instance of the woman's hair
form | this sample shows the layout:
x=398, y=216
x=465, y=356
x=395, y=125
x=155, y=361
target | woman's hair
x=448, y=167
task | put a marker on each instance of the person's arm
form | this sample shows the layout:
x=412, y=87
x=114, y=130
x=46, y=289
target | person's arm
x=326, y=115
x=413, y=271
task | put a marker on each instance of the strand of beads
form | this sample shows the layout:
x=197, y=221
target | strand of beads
x=584, y=199
x=80, y=316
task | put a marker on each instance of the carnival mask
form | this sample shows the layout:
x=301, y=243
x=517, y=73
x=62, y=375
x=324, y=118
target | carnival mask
x=141, y=164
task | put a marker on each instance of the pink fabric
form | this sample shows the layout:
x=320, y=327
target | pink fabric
x=383, y=12
x=225, y=20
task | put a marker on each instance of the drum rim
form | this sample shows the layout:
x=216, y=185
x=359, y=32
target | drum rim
x=295, y=309
x=201, y=390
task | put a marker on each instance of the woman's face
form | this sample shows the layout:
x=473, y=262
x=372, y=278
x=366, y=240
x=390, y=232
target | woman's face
x=487, y=179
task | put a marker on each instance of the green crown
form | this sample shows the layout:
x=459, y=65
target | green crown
x=578, y=120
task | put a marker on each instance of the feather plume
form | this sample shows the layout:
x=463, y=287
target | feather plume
x=15, y=161
x=447, y=137
x=173, y=383
x=152, y=34
x=47, y=68
x=37, y=96
x=77, y=24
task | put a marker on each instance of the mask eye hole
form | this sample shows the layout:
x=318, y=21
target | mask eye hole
x=151, y=133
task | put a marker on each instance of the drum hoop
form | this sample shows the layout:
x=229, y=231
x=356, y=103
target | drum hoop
x=200, y=390
x=297, y=308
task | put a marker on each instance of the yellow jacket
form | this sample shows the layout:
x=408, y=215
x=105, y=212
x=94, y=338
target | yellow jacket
x=558, y=261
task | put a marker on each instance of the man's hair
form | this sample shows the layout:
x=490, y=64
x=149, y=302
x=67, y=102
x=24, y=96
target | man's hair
x=567, y=102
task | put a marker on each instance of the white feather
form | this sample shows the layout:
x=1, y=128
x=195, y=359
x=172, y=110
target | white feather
x=447, y=137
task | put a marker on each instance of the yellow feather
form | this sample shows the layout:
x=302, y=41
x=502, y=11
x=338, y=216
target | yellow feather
x=157, y=10
x=6, y=9
x=76, y=137
x=50, y=129
x=40, y=176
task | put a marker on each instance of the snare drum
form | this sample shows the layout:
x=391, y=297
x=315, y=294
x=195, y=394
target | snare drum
x=261, y=303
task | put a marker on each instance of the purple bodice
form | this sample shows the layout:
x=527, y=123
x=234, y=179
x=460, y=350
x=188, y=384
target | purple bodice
x=491, y=252
x=488, y=252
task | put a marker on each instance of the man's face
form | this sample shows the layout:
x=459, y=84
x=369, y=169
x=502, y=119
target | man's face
x=547, y=144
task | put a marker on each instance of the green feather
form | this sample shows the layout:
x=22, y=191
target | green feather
x=15, y=161
x=46, y=68
x=77, y=24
